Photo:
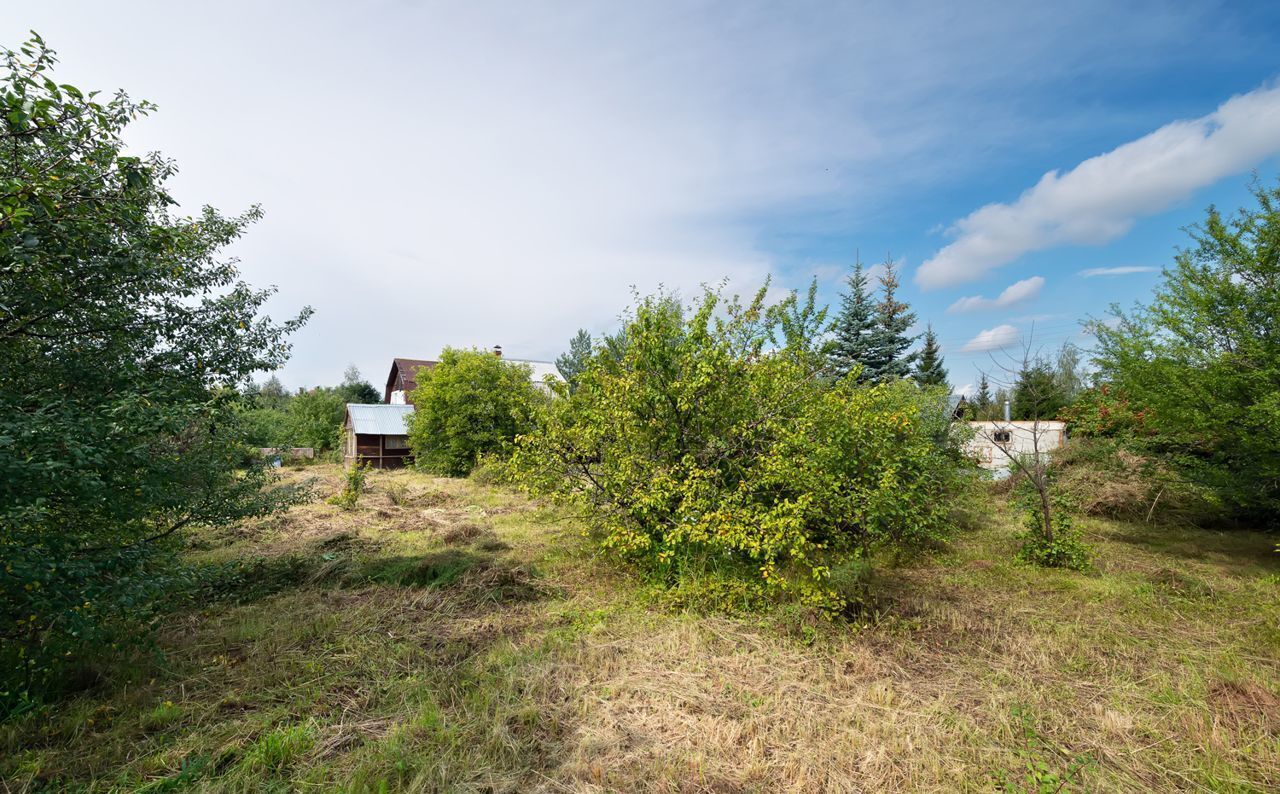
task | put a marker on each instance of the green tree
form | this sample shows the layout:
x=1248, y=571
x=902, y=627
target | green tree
x=854, y=327
x=983, y=403
x=1202, y=360
x=1037, y=392
x=315, y=418
x=572, y=363
x=355, y=389
x=471, y=403
x=712, y=451
x=124, y=338
x=271, y=394
x=1069, y=371
x=266, y=427
x=887, y=357
x=929, y=369
x=998, y=403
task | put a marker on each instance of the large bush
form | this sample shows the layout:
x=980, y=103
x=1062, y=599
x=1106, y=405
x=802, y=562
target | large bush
x=1201, y=363
x=470, y=404
x=710, y=442
x=123, y=336
x=311, y=418
x=315, y=418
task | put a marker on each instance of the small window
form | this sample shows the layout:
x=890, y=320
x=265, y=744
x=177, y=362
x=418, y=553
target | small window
x=395, y=442
x=1002, y=436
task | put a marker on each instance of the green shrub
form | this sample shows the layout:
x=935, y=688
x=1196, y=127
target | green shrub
x=491, y=470
x=1201, y=362
x=356, y=475
x=709, y=442
x=713, y=593
x=471, y=403
x=1063, y=547
x=314, y=419
x=397, y=493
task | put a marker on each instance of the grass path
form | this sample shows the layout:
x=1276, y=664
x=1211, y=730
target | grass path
x=445, y=635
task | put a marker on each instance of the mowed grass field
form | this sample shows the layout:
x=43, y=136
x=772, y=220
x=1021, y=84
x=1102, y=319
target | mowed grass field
x=448, y=635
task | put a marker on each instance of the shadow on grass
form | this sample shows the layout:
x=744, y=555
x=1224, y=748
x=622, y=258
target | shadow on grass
x=378, y=674
x=473, y=576
x=437, y=569
x=1243, y=550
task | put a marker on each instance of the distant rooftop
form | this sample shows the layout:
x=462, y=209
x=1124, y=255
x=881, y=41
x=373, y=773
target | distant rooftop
x=541, y=369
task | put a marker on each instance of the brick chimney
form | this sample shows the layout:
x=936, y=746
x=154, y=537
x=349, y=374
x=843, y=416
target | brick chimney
x=497, y=350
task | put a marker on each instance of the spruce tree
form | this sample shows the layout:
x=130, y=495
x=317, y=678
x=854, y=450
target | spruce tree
x=574, y=362
x=888, y=358
x=983, y=400
x=929, y=369
x=854, y=326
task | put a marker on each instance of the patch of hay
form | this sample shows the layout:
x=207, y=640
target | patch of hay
x=1244, y=703
x=460, y=534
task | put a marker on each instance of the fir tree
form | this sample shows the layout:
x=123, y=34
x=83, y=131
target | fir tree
x=1037, y=394
x=929, y=369
x=854, y=326
x=888, y=357
x=982, y=401
x=574, y=362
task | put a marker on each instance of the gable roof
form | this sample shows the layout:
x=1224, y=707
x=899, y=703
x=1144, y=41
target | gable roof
x=379, y=419
x=404, y=375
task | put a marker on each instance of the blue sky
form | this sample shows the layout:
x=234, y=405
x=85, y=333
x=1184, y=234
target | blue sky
x=493, y=173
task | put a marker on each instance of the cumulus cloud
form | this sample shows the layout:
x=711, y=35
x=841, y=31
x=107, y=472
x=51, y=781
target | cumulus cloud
x=1016, y=293
x=1001, y=336
x=1100, y=199
x=1093, y=272
x=483, y=173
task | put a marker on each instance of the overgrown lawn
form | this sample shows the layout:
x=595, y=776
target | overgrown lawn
x=449, y=635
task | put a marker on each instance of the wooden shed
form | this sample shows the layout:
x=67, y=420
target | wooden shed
x=377, y=434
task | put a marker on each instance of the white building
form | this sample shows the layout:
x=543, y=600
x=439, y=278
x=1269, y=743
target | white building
x=995, y=442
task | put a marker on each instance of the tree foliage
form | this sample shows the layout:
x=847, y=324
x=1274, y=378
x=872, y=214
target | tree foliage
x=314, y=418
x=854, y=327
x=1202, y=360
x=311, y=418
x=888, y=357
x=929, y=369
x=355, y=389
x=982, y=405
x=572, y=362
x=471, y=403
x=714, y=442
x=123, y=337
x=1037, y=393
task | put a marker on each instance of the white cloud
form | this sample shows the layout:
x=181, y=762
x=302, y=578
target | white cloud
x=1116, y=271
x=1001, y=336
x=485, y=173
x=966, y=391
x=1016, y=293
x=1100, y=199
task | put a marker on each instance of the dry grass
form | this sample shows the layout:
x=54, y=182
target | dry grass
x=461, y=639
